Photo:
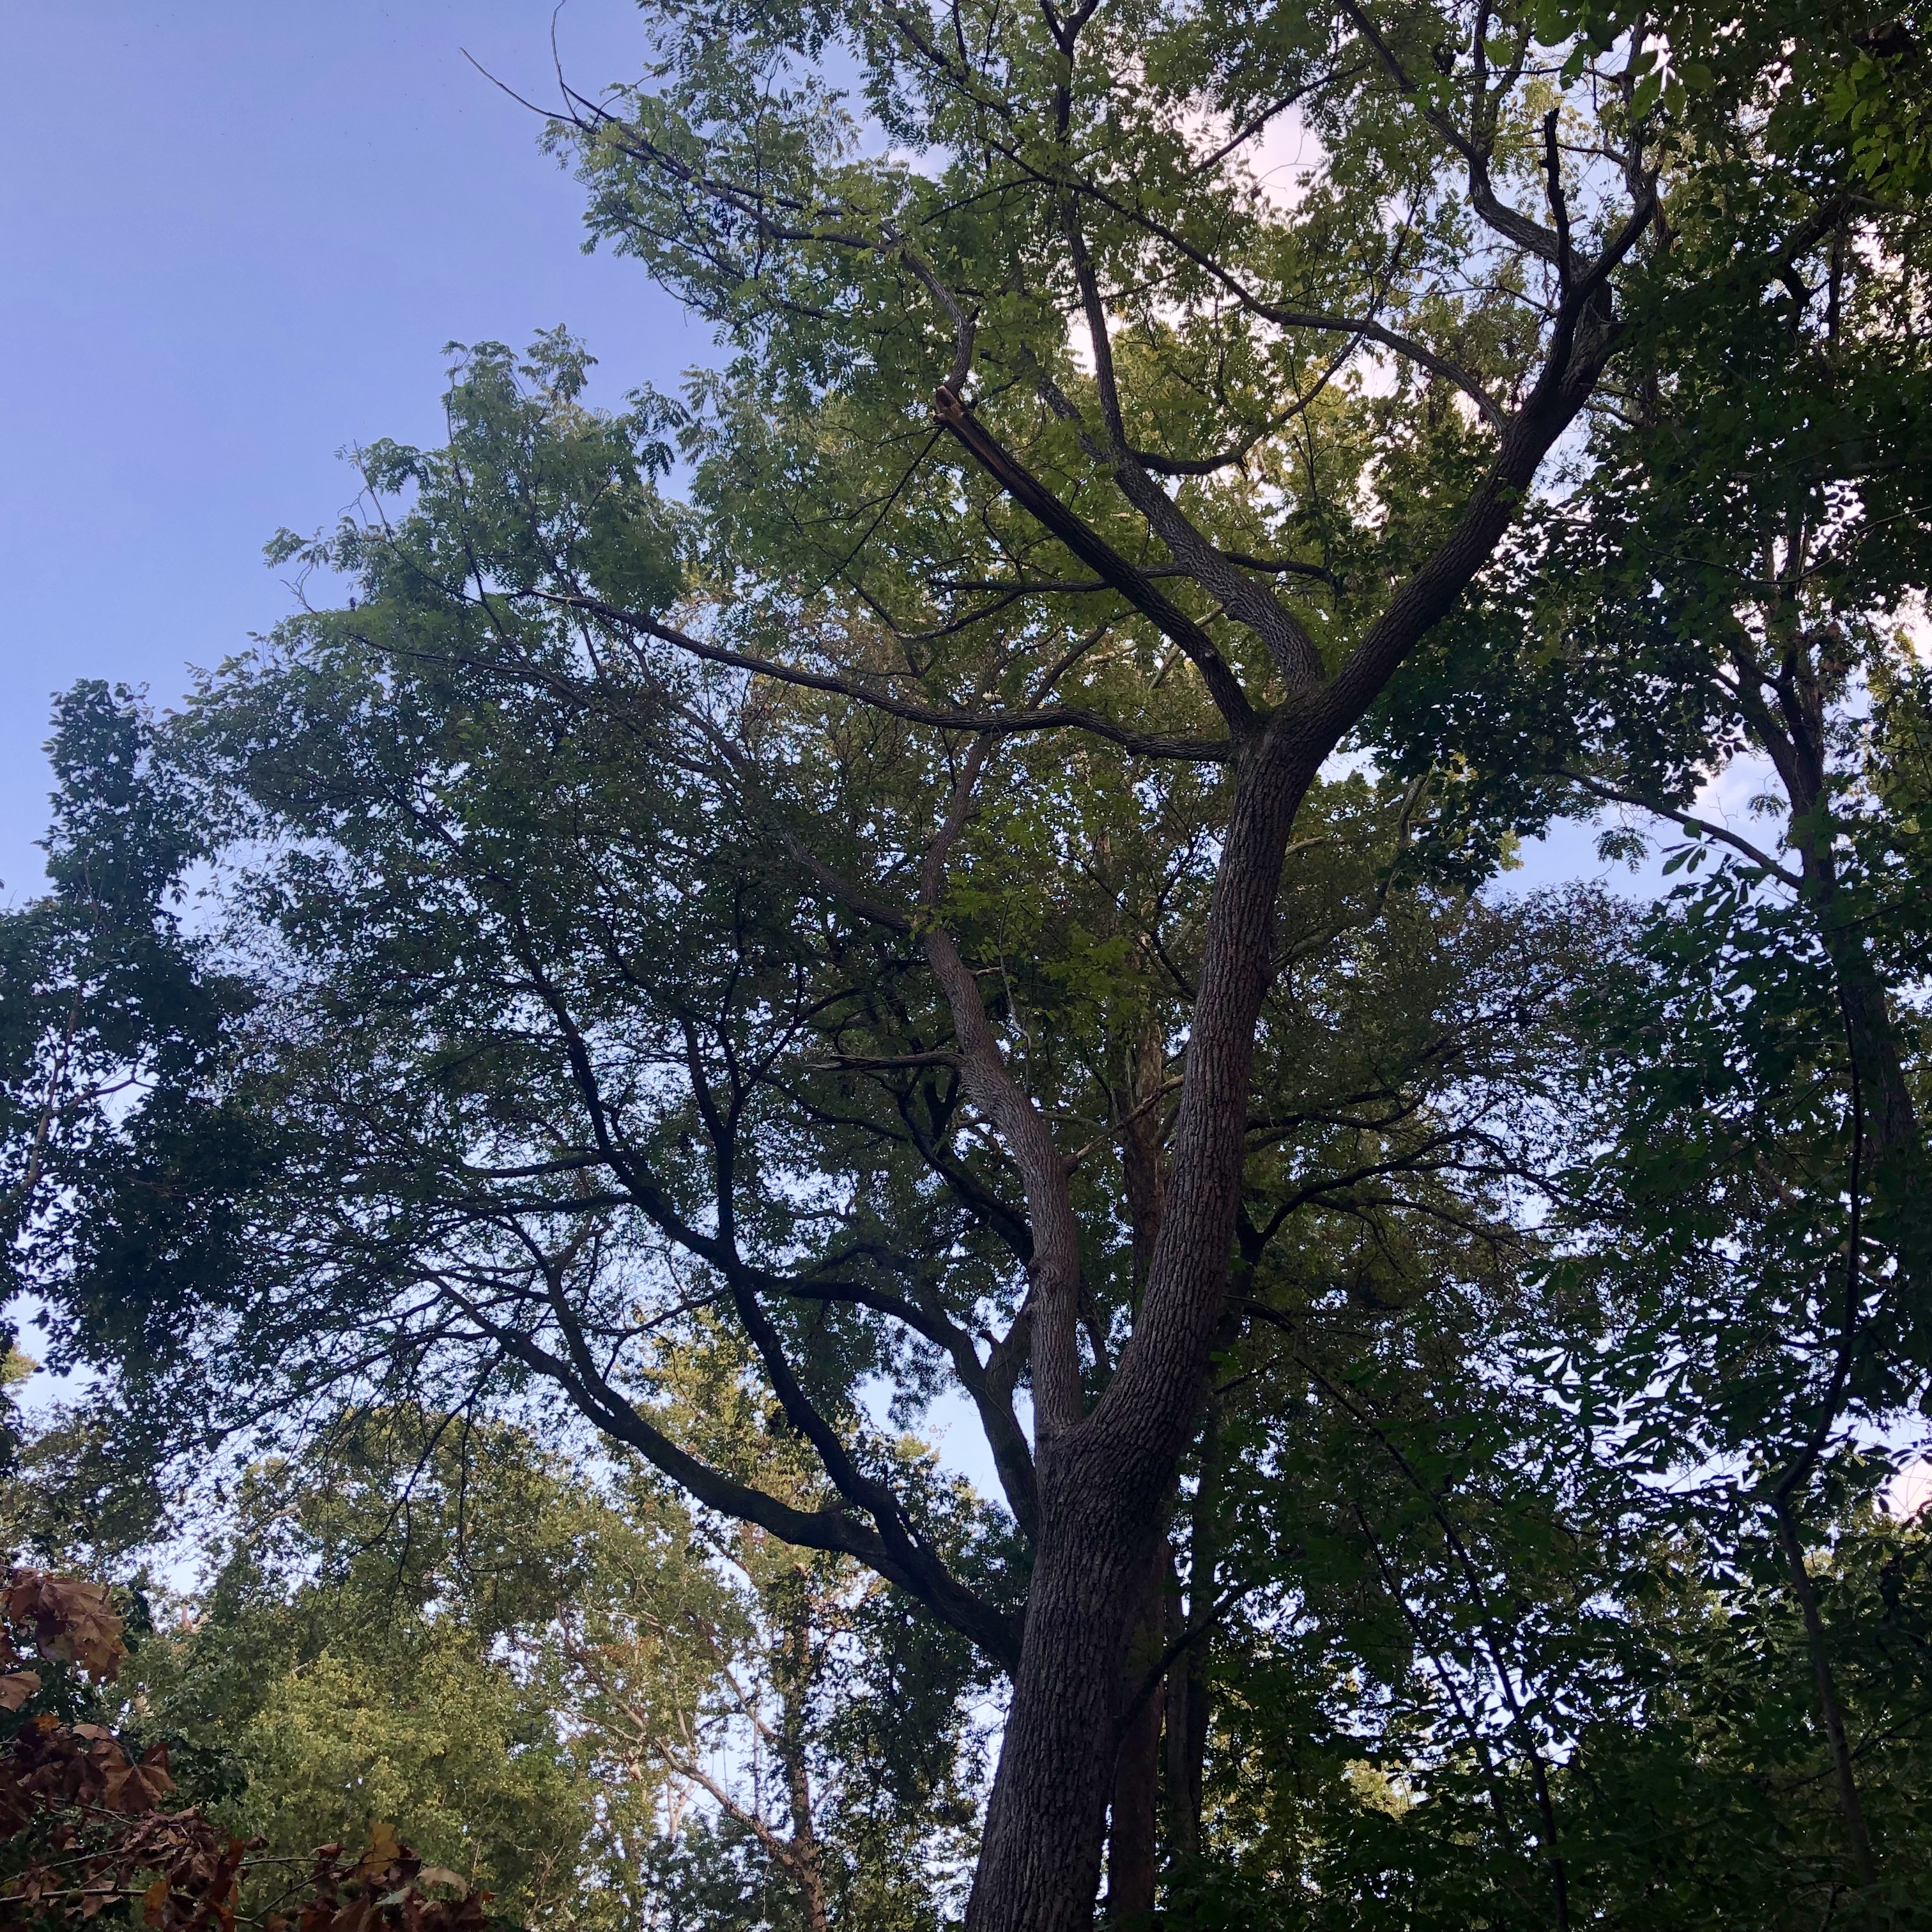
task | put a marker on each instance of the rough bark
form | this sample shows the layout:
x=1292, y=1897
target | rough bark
x=1132, y=1841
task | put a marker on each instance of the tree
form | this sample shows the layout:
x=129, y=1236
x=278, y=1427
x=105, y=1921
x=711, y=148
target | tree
x=1394, y=1044
x=826, y=1754
x=103, y=1000
x=858, y=900
x=83, y=1834
x=1731, y=580
x=360, y=1650
x=1483, y=1667
x=688, y=176
x=583, y=1700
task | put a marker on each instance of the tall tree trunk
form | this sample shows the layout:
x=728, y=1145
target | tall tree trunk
x=1103, y=1483
x=1890, y=1141
x=1039, y=1859
x=807, y=1868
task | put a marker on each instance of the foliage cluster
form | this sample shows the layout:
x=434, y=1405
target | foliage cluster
x=988, y=903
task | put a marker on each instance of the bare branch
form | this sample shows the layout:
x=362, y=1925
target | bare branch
x=1093, y=550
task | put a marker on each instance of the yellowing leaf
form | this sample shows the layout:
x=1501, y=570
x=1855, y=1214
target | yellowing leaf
x=382, y=1850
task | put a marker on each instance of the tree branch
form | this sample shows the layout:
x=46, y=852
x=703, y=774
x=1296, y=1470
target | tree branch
x=1093, y=550
x=944, y=718
x=1703, y=827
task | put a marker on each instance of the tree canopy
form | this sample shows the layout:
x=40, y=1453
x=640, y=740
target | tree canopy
x=950, y=876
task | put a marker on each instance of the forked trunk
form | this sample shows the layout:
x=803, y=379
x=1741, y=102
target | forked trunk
x=1105, y=1481
x=1104, y=1484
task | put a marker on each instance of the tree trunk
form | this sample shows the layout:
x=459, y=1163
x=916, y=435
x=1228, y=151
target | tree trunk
x=1039, y=1859
x=1103, y=1483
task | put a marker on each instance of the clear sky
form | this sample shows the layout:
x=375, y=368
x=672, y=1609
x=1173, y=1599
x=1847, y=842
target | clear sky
x=234, y=236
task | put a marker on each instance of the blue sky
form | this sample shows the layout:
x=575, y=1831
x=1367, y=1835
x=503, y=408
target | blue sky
x=233, y=238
